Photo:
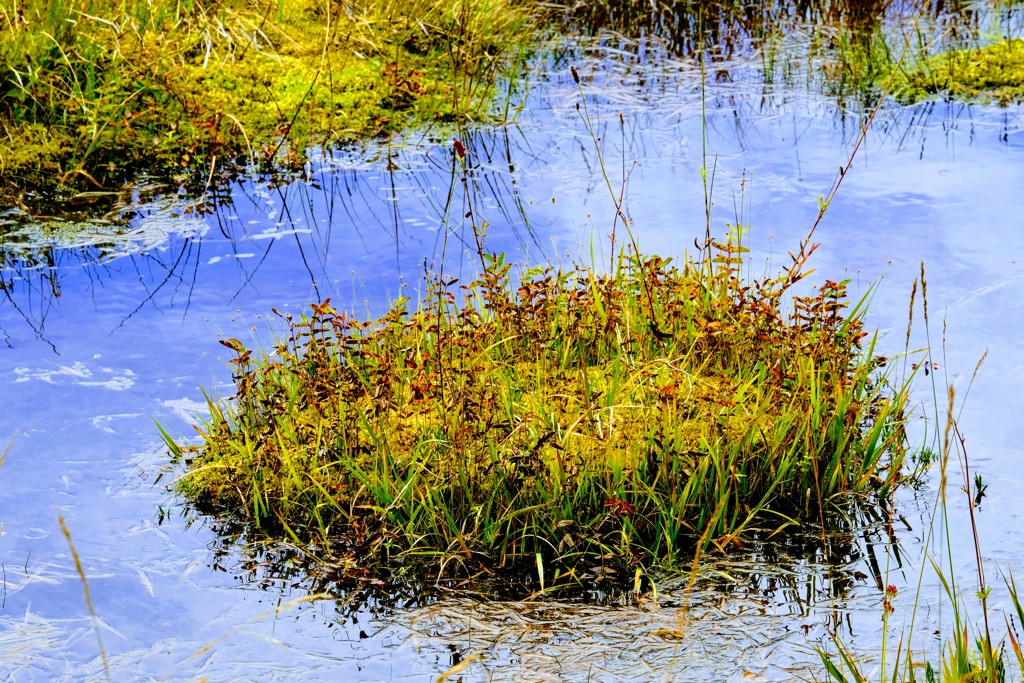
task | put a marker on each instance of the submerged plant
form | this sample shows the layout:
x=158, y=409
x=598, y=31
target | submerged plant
x=571, y=419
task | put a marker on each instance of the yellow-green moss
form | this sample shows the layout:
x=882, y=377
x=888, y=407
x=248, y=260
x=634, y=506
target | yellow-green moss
x=94, y=90
x=991, y=74
x=638, y=413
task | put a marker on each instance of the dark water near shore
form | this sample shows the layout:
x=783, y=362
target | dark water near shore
x=107, y=332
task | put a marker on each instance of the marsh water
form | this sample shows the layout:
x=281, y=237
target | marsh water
x=112, y=326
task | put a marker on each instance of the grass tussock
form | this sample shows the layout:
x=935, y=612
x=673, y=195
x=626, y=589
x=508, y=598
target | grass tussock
x=93, y=91
x=567, y=418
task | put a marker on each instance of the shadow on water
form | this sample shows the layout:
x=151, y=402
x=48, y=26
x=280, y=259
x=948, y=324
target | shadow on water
x=844, y=49
x=764, y=602
x=730, y=30
x=726, y=29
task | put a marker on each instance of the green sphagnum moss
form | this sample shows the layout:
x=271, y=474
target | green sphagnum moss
x=994, y=73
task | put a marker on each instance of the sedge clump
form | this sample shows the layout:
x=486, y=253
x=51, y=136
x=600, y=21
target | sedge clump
x=564, y=417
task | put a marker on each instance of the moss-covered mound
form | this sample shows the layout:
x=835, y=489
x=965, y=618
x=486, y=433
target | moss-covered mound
x=991, y=74
x=93, y=91
x=574, y=417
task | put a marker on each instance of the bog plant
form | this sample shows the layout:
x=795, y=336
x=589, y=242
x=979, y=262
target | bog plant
x=573, y=418
x=93, y=92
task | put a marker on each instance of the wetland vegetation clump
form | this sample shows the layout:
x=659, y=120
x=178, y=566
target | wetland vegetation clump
x=94, y=91
x=579, y=420
x=994, y=73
